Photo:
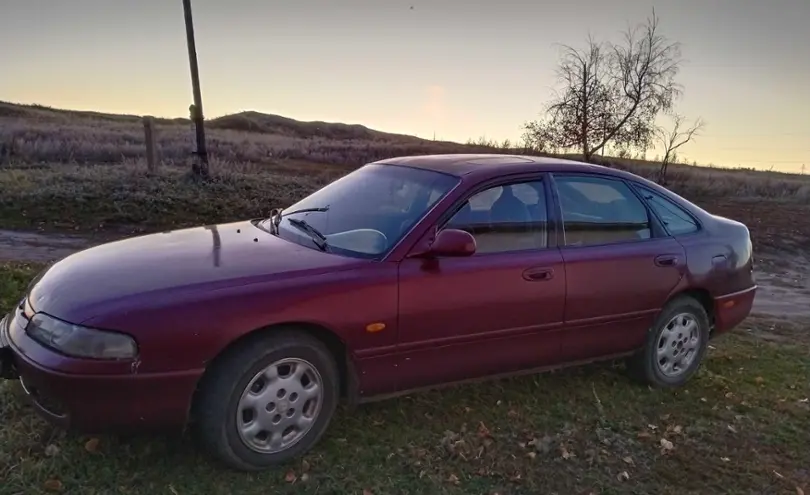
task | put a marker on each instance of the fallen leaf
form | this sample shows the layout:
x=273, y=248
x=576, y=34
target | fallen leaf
x=759, y=380
x=677, y=429
x=304, y=477
x=51, y=450
x=799, y=491
x=290, y=477
x=531, y=455
x=666, y=445
x=725, y=459
x=623, y=476
x=628, y=460
x=731, y=429
x=52, y=485
x=453, y=479
x=91, y=445
x=652, y=427
x=564, y=453
x=483, y=431
x=542, y=445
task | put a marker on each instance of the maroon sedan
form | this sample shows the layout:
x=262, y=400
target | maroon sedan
x=404, y=274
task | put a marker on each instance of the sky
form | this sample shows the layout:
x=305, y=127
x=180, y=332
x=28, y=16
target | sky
x=451, y=69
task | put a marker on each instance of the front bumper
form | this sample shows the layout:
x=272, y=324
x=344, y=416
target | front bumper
x=93, y=401
x=8, y=370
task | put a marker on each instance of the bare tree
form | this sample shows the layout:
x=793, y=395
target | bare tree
x=672, y=139
x=611, y=93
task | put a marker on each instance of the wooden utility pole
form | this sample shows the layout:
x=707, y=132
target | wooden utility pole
x=151, y=144
x=201, y=167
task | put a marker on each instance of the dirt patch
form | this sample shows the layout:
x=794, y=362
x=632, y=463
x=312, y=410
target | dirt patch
x=34, y=247
x=783, y=286
x=775, y=227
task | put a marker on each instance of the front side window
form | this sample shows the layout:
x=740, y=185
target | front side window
x=599, y=211
x=676, y=220
x=366, y=211
x=505, y=218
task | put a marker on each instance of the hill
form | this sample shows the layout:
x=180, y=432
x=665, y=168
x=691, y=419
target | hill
x=246, y=121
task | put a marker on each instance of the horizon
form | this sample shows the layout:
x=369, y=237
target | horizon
x=465, y=89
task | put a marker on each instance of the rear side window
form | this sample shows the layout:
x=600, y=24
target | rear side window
x=600, y=211
x=676, y=220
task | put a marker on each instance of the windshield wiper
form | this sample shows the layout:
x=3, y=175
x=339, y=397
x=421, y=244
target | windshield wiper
x=277, y=214
x=317, y=237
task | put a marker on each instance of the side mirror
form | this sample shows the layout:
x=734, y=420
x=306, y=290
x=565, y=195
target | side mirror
x=450, y=242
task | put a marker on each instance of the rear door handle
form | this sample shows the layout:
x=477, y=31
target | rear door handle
x=538, y=274
x=667, y=260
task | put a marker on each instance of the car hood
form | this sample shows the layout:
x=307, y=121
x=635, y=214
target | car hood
x=157, y=267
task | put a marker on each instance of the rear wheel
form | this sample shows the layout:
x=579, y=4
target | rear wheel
x=267, y=401
x=676, y=345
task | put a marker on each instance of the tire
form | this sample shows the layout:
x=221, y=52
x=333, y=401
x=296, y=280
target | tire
x=678, y=340
x=220, y=416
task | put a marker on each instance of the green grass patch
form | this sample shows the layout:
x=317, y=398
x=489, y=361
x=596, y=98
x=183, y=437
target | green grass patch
x=103, y=198
x=741, y=426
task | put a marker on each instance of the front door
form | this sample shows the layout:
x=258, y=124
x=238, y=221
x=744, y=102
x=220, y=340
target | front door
x=498, y=311
x=621, y=267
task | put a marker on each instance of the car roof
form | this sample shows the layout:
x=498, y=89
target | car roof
x=492, y=164
x=485, y=166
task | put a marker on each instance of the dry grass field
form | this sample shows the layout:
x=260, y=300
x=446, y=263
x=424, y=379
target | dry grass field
x=740, y=427
x=64, y=169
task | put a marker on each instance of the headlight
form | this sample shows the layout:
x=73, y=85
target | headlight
x=78, y=341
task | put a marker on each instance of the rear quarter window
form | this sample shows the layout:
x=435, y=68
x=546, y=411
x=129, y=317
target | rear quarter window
x=676, y=220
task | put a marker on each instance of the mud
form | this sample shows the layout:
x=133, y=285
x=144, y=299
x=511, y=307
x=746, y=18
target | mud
x=783, y=286
x=34, y=247
x=783, y=279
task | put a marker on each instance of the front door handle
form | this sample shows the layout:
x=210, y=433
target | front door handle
x=538, y=274
x=667, y=260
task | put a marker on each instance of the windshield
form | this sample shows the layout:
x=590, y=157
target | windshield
x=366, y=212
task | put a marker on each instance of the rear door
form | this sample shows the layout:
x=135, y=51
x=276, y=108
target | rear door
x=621, y=267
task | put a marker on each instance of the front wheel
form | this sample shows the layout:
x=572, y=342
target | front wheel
x=267, y=401
x=676, y=345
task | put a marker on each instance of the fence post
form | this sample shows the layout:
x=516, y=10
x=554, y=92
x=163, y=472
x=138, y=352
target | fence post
x=151, y=146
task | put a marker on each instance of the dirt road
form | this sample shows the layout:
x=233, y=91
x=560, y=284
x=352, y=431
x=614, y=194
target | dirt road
x=783, y=280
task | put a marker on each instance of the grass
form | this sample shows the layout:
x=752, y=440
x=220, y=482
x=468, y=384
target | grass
x=102, y=197
x=739, y=427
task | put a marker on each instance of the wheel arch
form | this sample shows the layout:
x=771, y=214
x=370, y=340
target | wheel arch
x=337, y=348
x=702, y=296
